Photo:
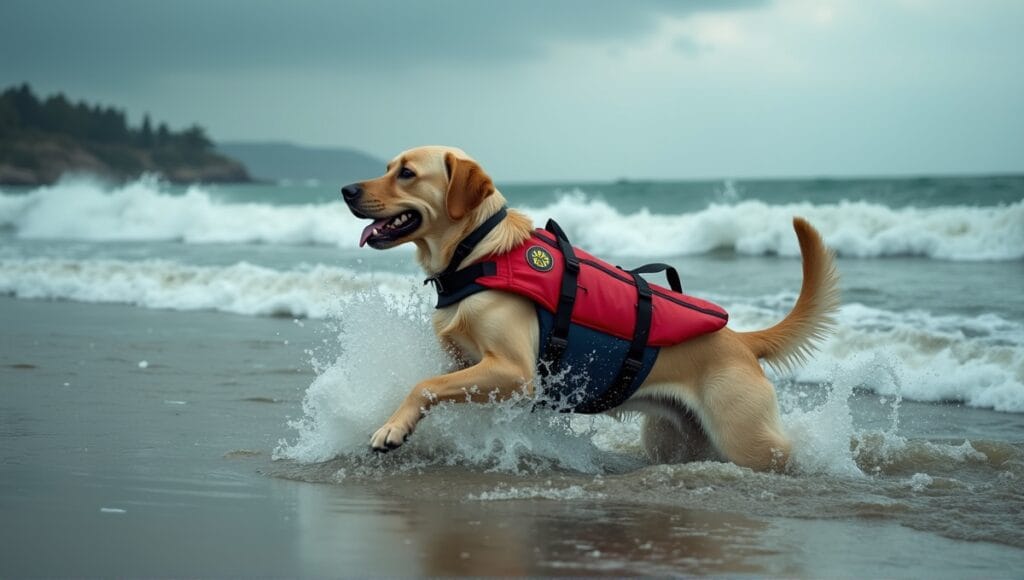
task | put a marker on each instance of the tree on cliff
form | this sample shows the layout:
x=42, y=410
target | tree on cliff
x=146, y=132
x=40, y=139
x=22, y=112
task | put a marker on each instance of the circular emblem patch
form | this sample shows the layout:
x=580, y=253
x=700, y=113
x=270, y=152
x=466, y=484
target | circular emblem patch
x=539, y=259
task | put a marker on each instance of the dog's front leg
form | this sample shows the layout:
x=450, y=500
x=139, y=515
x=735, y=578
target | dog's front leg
x=492, y=375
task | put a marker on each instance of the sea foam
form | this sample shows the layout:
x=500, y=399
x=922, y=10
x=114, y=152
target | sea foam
x=311, y=291
x=977, y=360
x=145, y=210
x=857, y=229
x=84, y=209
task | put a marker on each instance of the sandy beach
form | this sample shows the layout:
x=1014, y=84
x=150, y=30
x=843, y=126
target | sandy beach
x=112, y=467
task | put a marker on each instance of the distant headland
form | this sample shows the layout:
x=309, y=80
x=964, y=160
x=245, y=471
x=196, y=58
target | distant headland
x=41, y=139
x=278, y=161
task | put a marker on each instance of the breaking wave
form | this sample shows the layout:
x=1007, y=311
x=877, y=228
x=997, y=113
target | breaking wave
x=310, y=291
x=145, y=210
x=857, y=229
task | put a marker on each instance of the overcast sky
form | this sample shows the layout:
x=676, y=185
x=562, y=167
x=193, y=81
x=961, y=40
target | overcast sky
x=560, y=90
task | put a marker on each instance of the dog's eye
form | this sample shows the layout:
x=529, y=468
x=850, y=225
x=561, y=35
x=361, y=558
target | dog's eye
x=406, y=173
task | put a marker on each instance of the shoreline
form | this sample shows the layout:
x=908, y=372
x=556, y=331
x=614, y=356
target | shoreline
x=10, y=183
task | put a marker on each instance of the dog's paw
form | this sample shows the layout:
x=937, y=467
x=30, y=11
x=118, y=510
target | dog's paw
x=390, y=436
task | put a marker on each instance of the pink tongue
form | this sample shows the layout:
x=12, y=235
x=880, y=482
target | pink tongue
x=368, y=231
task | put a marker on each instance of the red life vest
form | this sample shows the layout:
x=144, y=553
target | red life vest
x=600, y=323
x=606, y=295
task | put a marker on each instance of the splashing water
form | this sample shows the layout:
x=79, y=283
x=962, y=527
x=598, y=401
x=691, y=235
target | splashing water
x=382, y=345
x=825, y=440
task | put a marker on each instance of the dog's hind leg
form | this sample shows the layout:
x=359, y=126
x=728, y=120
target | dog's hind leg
x=670, y=432
x=674, y=436
x=741, y=416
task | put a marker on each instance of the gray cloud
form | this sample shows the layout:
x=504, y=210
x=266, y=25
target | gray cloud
x=559, y=88
x=686, y=45
x=126, y=39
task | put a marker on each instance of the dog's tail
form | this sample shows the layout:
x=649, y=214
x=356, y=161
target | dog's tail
x=790, y=342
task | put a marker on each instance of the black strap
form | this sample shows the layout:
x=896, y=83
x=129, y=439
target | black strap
x=622, y=387
x=460, y=284
x=559, y=339
x=670, y=273
x=465, y=247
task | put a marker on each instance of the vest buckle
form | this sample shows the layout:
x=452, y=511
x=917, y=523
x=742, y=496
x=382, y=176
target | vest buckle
x=438, y=285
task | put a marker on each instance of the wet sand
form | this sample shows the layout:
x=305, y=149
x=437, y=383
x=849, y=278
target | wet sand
x=111, y=467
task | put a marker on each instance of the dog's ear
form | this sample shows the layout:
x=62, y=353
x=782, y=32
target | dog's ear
x=468, y=186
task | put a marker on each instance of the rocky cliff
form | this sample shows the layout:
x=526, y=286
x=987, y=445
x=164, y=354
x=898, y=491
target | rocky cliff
x=42, y=139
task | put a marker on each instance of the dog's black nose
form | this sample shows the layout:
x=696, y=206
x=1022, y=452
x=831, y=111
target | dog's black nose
x=351, y=192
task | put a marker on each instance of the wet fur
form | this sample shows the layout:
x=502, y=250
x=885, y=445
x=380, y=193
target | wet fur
x=707, y=397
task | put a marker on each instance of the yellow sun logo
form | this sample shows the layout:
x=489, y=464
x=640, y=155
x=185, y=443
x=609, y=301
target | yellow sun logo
x=539, y=259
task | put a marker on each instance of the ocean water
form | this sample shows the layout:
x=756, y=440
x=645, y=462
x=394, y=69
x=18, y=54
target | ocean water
x=911, y=414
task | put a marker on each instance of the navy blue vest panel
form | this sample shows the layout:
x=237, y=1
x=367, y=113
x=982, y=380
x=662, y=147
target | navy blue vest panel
x=588, y=368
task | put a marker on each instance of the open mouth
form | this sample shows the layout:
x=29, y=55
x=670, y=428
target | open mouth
x=390, y=229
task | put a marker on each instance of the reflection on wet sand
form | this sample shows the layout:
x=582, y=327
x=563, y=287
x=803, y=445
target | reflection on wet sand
x=353, y=528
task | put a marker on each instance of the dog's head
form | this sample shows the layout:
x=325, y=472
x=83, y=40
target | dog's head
x=423, y=193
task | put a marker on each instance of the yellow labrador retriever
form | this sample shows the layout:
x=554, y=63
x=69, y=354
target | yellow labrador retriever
x=703, y=398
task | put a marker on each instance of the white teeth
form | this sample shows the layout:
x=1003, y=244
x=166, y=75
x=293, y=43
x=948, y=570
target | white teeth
x=400, y=220
x=394, y=223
